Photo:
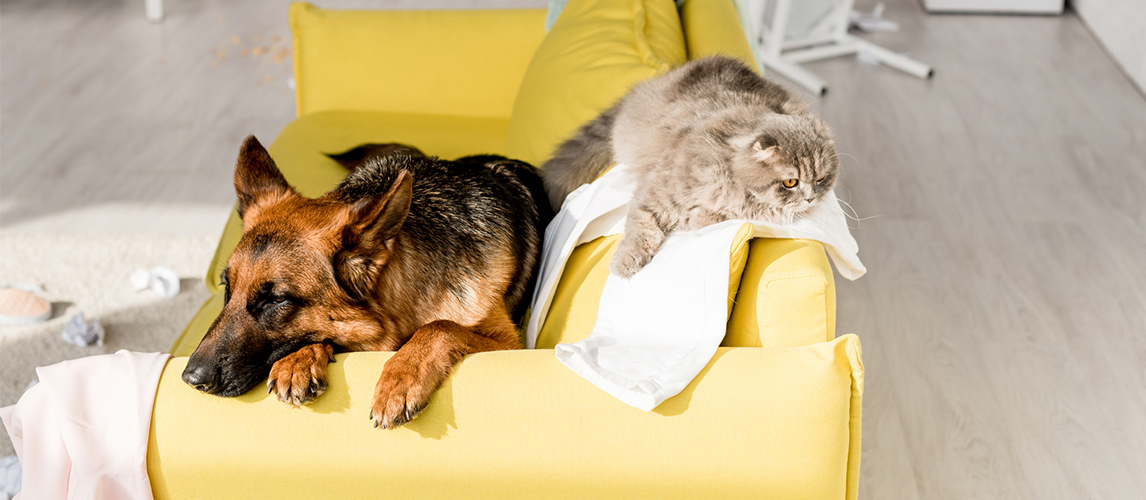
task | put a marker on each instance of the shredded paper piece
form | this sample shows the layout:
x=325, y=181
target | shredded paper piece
x=160, y=279
x=9, y=477
x=81, y=333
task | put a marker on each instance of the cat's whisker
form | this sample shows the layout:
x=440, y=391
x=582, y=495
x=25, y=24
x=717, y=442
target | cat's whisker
x=853, y=215
x=849, y=192
x=850, y=156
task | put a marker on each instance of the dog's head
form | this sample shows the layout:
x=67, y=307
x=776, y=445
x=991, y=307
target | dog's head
x=304, y=272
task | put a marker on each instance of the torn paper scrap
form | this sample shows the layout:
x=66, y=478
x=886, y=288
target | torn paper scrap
x=140, y=279
x=81, y=333
x=9, y=477
x=160, y=279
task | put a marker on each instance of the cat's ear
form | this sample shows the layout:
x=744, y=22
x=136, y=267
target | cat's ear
x=766, y=148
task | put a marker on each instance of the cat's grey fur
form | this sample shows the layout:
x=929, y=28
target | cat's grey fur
x=706, y=142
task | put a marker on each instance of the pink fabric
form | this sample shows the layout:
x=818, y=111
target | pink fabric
x=81, y=433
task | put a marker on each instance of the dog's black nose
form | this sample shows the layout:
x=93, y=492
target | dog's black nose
x=201, y=377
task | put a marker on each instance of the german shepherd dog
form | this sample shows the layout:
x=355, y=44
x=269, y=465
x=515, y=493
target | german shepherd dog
x=416, y=254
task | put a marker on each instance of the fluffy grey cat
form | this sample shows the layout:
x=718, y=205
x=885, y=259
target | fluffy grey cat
x=707, y=142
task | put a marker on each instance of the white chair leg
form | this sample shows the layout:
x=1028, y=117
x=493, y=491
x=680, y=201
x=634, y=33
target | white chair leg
x=827, y=51
x=154, y=10
x=796, y=73
x=785, y=56
x=897, y=61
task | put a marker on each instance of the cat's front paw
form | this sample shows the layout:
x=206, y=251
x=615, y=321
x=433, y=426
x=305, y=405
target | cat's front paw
x=627, y=261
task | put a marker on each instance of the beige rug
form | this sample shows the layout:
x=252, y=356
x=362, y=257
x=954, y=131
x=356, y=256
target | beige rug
x=91, y=273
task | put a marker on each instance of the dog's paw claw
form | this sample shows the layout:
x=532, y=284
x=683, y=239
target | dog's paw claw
x=400, y=396
x=300, y=377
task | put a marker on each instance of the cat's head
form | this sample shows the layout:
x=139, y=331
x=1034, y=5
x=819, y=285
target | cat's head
x=788, y=165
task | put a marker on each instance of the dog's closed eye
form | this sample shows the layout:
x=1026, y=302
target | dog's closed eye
x=276, y=300
x=226, y=285
x=267, y=300
x=273, y=301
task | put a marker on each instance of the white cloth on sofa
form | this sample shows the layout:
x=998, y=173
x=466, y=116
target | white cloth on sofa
x=657, y=330
x=82, y=431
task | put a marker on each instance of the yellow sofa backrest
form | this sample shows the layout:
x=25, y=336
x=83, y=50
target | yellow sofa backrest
x=459, y=63
x=469, y=63
x=710, y=28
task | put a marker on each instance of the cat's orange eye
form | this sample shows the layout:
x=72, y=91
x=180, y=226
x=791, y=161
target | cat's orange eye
x=791, y=183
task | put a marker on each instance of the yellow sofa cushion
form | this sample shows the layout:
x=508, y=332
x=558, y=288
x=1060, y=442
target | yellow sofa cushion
x=712, y=27
x=439, y=62
x=594, y=53
x=515, y=424
x=784, y=293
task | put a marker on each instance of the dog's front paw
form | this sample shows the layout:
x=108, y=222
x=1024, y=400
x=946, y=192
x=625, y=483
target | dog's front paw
x=403, y=391
x=300, y=377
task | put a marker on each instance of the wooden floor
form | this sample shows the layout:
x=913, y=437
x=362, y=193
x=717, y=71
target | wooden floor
x=113, y=124
x=1003, y=317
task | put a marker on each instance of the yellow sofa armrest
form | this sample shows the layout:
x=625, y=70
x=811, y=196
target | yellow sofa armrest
x=438, y=62
x=787, y=296
x=756, y=423
x=713, y=27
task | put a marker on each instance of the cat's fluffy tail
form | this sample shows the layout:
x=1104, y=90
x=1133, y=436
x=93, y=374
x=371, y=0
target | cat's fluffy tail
x=581, y=159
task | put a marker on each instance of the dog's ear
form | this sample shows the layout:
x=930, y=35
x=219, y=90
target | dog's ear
x=375, y=221
x=367, y=241
x=256, y=176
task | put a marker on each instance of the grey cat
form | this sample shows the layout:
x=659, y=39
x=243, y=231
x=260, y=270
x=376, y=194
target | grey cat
x=706, y=142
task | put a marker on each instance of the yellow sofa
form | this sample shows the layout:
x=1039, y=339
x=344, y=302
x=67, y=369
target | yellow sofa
x=776, y=414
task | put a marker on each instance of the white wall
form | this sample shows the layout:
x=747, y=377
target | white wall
x=1121, y=27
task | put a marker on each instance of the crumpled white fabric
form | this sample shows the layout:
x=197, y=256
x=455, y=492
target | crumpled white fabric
x=81, y=433
x=657, y=330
